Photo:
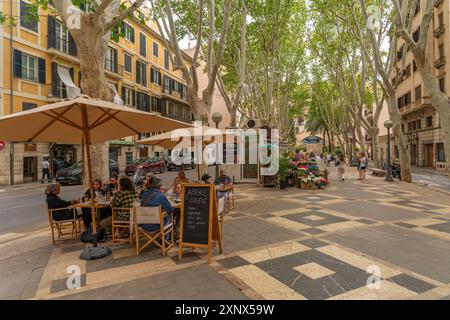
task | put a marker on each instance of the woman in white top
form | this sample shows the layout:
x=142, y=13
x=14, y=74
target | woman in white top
x=362, y=166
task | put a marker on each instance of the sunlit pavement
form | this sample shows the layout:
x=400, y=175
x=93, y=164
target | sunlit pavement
x=294, y=244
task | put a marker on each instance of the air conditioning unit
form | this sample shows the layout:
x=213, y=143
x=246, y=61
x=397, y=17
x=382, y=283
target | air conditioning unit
x=253, y=123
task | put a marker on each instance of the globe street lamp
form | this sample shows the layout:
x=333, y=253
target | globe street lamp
x=388, y=124
x=217, y=118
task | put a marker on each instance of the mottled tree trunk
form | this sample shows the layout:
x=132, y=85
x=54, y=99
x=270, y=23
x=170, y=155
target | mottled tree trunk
x=376, y=147
x=91, y=52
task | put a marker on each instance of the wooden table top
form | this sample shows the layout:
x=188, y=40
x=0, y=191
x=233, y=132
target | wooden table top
x=98, y=205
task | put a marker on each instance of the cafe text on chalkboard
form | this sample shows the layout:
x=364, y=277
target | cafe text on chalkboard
x=199, y=219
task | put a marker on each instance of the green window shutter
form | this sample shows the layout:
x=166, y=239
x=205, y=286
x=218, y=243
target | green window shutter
x=41, y=70
x=17, y=63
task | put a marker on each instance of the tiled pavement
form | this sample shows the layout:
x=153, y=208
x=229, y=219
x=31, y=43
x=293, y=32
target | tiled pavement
x=294, y=244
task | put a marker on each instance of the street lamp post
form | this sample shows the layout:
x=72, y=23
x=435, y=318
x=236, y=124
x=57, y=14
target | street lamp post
x=217, y=118
x=388, y=124
x=350, y=139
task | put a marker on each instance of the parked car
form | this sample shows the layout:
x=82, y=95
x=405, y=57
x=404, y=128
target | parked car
x=153, y=165
x=171, y=166
x=132, y=167
x=73, y=174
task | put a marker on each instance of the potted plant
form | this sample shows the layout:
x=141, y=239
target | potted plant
x=283, y=172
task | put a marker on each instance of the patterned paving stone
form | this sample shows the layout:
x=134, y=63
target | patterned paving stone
x=314, y=218
x=405, y=225
x=344, y=278
x=313, y=231
x=248, y=233
x=376, y=211
x=412, y=283
x=366, y=221
x=233, y=262
x=409, y=249
x=443, y=227
x=199, y=282
x=313, y=243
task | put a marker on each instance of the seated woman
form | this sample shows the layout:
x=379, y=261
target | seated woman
x=155, y=198
x=87, y=212
x=123, y=198
x=55, y=202
x=174, y=194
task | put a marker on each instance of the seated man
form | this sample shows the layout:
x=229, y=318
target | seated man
x=181, y=178
x=206, y=178
x=112, y=186
x=154, y=197
x=223, y=179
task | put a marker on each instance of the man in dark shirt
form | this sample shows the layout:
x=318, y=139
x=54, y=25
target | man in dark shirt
x=111, y=188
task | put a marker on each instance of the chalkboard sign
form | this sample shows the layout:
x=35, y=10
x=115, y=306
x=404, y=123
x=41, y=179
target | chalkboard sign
x=199, y=218
x=196, y=214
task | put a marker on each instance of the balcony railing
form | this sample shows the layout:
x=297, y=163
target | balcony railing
x=419, y=103
x=112, y=67
x=439, y=31
x=56, y=91
x=440, y=62
x=62, y=44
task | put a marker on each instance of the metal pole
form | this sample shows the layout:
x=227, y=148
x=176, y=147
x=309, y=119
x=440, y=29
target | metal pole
x=217, y=154
x=388, y=153
x=11, y=93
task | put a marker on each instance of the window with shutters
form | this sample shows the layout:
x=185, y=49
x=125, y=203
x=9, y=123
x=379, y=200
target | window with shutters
x=128, y=31
x=156, y=76
x=27, y=20
x=61, y=37
x=155, y=49
x=418, y=92
x=29, y=67
x=142, y=45
x=166, y=84
x=141, y=73
x=156, y=104
x=166, y=59
x=419, y=124
x=127, y=96
x=128, y=62
x=429, y=121
x=111, y=59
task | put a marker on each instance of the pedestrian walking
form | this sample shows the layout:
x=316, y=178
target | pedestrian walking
x=46, y=172
x=340, y=163
x=328, y=159
x=362, y=166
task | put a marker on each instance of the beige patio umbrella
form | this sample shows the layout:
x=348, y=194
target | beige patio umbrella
x=187, y=137
x=82, y=121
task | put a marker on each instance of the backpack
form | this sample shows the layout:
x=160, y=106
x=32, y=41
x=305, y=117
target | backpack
x=87, y=235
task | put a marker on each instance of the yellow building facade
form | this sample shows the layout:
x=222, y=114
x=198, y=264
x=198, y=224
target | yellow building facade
x=32, y=55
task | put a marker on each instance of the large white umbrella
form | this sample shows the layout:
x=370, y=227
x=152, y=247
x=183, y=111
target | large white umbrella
x=82, y=120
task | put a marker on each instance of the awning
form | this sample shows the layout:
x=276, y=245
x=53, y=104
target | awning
x=72, y=90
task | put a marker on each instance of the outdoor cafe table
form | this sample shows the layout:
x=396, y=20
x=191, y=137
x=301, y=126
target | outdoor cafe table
x=98, y=205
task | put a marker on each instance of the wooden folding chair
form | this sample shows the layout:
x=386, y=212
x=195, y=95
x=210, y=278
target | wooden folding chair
x=153, y=215
x=59, y=227
x=120, y=227
x=230, y=199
